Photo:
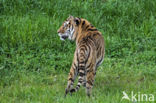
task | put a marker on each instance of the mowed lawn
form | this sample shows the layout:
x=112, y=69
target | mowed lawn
x=34, y=62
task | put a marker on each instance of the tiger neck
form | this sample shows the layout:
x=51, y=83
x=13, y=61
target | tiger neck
x=82, y=30
x=80, y=35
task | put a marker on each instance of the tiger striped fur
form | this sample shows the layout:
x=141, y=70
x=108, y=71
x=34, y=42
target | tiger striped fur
x=88, y=55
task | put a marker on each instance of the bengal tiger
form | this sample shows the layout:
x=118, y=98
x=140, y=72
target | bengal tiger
x=89, y=53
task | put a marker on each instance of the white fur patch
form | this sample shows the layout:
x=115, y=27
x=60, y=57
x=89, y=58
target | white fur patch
x=66, y=23
x=71, y=33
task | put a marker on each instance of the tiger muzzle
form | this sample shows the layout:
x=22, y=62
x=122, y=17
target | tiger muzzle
x=64, y=37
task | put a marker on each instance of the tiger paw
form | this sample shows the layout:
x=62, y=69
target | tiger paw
x=66, y=92
x=72, y=90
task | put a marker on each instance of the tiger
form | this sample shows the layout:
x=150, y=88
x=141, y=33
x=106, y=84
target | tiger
x=88, y=55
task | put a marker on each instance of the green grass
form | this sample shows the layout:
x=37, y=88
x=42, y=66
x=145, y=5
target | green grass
x=34, y=62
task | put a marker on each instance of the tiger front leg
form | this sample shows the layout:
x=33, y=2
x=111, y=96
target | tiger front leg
x=71, y=78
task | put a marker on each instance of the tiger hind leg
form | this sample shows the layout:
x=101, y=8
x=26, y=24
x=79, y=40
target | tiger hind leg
x=71, y=78
x=90, y=81
x=81, y=81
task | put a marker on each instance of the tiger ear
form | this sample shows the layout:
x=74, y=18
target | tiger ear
x=77, y=21
x=70, y=16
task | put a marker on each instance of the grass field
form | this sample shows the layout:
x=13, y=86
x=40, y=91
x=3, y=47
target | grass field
x=34, y=62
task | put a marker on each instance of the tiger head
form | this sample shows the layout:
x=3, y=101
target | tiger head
x=68, y=28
